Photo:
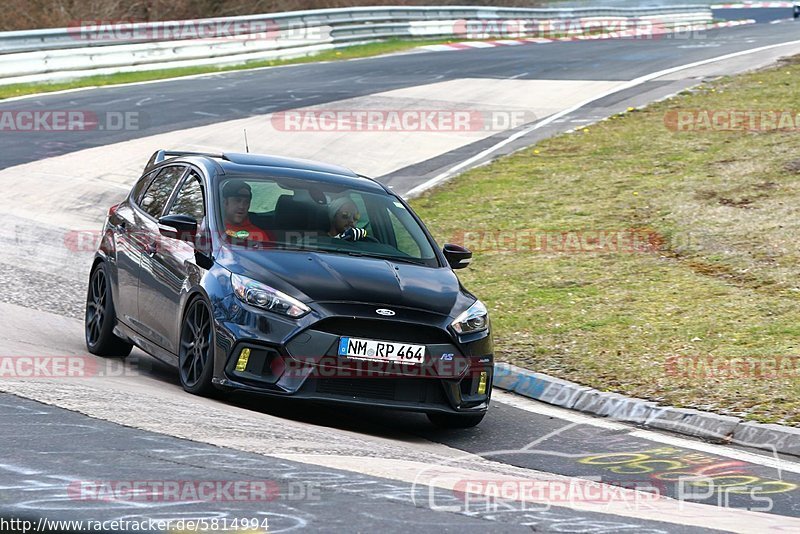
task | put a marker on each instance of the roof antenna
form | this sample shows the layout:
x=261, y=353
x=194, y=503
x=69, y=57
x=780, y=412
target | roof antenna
x=246, y=146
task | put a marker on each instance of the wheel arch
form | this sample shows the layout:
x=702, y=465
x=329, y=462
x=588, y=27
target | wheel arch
x=187, y=299
x=101, y=257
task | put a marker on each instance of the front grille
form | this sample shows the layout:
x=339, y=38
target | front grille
x=384, y=330
x=408, y=390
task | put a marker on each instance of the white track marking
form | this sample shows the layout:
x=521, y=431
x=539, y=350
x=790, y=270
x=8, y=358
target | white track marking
x=18, y=470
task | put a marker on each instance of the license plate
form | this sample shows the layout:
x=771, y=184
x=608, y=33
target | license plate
x=370, y=349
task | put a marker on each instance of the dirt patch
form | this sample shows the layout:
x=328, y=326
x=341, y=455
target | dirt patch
x=793, y=166
x=790, y=60
x=767, y=185
x=744, y=203
x=706, y=195
x=728, y=274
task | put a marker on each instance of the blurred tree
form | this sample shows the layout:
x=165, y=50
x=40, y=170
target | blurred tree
x=29, y=14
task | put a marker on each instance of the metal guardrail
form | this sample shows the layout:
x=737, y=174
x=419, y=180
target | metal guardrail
x=89, y=48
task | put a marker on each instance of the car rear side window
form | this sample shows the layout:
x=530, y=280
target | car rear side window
x=138, y=189
x=157, y=195
x=266, y=195
x=190, y=198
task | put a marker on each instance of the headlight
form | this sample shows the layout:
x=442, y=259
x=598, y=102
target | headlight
x=475, y=319
x=267, y=298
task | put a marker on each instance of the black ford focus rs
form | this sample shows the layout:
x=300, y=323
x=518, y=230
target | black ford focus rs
x=289, y=278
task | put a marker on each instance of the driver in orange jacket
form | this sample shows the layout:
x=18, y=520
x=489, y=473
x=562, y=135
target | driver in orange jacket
x=236, y=197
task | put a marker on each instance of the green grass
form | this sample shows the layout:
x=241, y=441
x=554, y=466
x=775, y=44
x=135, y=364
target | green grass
x=351, y=52
x=724, y=283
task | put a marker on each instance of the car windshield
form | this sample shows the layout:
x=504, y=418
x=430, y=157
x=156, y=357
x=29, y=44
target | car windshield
x=269, y=212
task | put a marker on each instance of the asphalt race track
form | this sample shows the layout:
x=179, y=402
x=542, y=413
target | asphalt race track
x=327, y=468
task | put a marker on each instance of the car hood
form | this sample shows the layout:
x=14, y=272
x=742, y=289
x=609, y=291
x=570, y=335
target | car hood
x=324, y=277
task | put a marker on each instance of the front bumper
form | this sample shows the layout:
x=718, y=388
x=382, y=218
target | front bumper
x=263, y=353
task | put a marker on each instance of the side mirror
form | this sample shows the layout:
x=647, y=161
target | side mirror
x=183, y=227
x=457, y=256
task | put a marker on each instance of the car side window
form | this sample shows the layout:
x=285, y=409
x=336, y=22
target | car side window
x=190, y=198
x=405, y=241
x=266, y=195
x=158, y=193
x=138, y=189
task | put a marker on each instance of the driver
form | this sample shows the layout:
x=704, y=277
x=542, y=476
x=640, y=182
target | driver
x=236, y=196
x=344, y=215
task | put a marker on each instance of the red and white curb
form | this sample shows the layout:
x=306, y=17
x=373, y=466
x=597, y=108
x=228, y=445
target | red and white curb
x=753, y=5
x=633, y=33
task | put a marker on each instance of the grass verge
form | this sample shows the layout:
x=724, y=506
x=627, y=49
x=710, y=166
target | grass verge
x=351, y=52
x=699, y=318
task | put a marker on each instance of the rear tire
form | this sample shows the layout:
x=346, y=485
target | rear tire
x=453, y=420
x=100, y=318
x=196, y=350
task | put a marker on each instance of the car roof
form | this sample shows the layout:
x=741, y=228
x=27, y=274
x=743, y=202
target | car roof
x=286, y=163
x=270, y=165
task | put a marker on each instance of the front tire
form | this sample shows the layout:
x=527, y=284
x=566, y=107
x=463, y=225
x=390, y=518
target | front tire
x=100, y=318
x=196, y=352
x=455, y=420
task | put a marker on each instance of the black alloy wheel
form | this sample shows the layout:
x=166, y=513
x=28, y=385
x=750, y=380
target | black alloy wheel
x=196, y=359
x=100, y=318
